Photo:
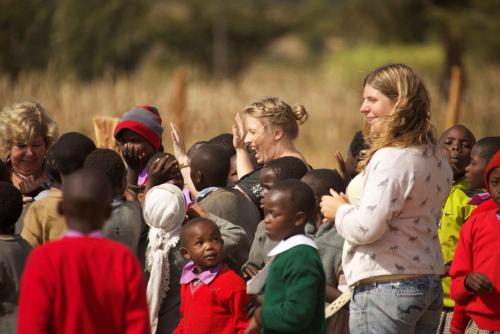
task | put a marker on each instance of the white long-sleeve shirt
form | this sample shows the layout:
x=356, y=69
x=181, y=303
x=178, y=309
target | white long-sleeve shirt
x=394, y=231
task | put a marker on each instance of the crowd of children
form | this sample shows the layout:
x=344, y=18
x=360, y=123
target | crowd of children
x=143, y=241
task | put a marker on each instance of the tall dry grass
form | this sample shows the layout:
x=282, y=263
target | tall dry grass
x=331, y=99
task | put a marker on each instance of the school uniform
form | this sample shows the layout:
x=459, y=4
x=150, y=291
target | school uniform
x=83, y=284
x=294, y=292
x=212, y=301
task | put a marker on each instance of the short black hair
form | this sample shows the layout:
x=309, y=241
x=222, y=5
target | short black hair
x=488, y=146
x=70, y=151
x=224, y=140
x=109, y=163
x=301, y=196
x=322, y=180
x=12, y=205
x=192, y=223
x=213, y=163
x=190, y=152
x=287, y=168
x=358, y=144
x=4, y=172
x=51, y=165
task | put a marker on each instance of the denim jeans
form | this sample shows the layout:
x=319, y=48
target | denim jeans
x=401, y=307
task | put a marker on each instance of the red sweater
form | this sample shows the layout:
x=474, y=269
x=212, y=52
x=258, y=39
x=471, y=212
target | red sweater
x=478, y=250
x=82, y=285
x=217, y=308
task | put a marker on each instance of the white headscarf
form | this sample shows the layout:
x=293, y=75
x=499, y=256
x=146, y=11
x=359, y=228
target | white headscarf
x=164, y=211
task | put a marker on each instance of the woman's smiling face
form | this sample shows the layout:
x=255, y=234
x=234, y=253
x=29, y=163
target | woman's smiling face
x=260, y=138
x=375, y=107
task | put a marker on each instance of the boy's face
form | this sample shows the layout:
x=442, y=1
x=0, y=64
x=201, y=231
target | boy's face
x=494, y=186
x=134, y=146
x=280, y=220
x=203, y=245
x=232, y=177
x=458, y=142
x=475, y=169
x=267, y=179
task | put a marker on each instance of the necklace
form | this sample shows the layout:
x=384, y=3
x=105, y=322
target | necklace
x=22, y=177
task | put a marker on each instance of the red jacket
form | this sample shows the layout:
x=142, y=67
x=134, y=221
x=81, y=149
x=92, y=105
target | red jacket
x=478, y=250
x=216, y=308
x=82, y=285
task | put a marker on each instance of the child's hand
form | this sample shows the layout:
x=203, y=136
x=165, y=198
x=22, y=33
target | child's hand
x=248, y=271
x=330, y=204
x=134, y=158
x=239, y=133
x=478, y=282
x=253, y=305
x=29, y=184
x=342, y=168
x=253, y=326
x=165, y=169
x=178, y=144
x=195, y=210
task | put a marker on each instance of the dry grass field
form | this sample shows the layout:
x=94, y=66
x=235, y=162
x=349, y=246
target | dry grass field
x=331, y=92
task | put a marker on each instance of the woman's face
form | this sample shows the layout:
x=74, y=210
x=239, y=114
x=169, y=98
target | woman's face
x=375, y=106
x=27, y=158
x=260, y=138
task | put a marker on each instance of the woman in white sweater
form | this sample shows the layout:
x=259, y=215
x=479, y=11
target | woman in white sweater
x=392, y=258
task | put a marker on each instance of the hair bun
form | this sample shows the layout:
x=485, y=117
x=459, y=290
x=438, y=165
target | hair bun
x=300, y=112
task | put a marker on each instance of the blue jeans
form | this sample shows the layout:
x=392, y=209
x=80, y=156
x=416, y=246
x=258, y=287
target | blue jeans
x=401, y=307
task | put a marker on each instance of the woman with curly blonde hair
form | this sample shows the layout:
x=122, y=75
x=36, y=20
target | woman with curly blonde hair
x=26, y=132
x=268, y=128
x=392, y=258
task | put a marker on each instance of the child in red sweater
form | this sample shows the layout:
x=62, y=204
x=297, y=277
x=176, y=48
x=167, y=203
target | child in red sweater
x=475, y=267
x=213, y=297
x=83, y=283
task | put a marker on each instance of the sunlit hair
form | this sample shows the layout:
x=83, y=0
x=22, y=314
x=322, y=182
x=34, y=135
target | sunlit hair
x=278, y=113
x=410, y=122
x=22, y=122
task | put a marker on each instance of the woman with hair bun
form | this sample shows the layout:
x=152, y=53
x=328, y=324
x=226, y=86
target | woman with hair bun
x=268, y=128
x=26, y=132
x=392, y=257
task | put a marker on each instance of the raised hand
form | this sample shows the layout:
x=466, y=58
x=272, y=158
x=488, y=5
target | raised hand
x=178, y=144
x=239, y=133
x=165, y=169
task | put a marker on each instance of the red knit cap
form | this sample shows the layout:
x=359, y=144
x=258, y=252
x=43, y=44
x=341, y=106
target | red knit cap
x=494, y=163
x=145, y=121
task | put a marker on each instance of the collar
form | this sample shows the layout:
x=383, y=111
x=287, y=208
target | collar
x=284, y=245
x=143, y=177
x=7, y=237
x=479, y=198
x=78, y=234
x=206, y=276
x=205, y=192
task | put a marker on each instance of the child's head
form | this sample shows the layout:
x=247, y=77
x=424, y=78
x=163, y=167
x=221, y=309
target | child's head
x=288, y=206
x=281, y=169
x=202, y=243
x=492, y=178
x=321, y=181
x=194, y=147
x=70, y=151
x=480, y=155
x=225, y=141
x=86, y=202
x=353, y=154
x=111, y=165
x=209, y=167
x=4, y=172
x=11, y=208
x=458, y=140
x=141, y=127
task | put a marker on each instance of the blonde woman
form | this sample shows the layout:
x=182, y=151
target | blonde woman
x=26, y=132
x=267, y=127
x=392, y=258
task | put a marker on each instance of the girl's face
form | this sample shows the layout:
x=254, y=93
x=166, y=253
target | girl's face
x=375, y=106
x=27, y=158
x=260, y=138
x=494, y=186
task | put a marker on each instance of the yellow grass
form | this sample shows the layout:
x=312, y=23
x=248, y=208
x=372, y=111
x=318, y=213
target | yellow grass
x=331, y=97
